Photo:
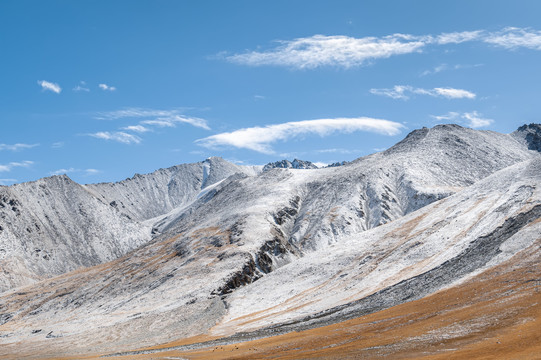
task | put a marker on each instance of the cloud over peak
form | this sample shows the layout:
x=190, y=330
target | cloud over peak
x=260, y=138
x=472, y=119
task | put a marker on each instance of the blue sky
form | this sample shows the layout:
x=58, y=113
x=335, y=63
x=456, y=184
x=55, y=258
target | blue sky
x=101, y=90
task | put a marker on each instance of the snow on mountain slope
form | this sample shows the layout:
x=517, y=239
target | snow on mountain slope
x=434, y=247
x=289, y=247
x=54, y=225
x=305, y=210
x=151, y=195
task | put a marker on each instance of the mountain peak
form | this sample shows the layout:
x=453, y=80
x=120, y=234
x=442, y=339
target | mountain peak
x=286, y=164
x=530, y=135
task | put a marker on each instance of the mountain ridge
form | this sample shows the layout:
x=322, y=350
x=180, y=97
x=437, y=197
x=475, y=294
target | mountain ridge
x=434, y=210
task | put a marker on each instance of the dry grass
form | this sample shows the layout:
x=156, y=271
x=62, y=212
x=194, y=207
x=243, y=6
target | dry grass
x=496, y=315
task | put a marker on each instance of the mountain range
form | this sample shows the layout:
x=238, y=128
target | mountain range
x=429, y=248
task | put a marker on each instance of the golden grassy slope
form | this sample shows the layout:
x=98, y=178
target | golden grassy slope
x=494, y=315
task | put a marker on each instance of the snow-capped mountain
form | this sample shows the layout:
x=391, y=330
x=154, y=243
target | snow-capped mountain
x=286, y=164
x=54, y=225
x=243, y=254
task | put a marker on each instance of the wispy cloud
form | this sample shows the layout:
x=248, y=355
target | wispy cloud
x=403, y=92
x=260, y=138
x=136, y=128
x=513, y=38
x=161, y=118
x=458, y=37
x=452, y=115
x=338, y=151
x=172, y=121
x=346, y=52
x=17, y=147
x=106, y=87
x=475, y=119
x=57, y=145
x=86, y=172
x=118, y=136
x=321, y=50
x=46, y=85
x=7, y=181
x=445, y=67
x=472, y=119
x=81, y=87
x=11, y=165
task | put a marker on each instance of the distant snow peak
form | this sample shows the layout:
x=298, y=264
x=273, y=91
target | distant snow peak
x=286, y=164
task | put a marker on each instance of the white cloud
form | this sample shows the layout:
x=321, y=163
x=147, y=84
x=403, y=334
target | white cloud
x=119, y=136
x=173, y=120
x=459, y=37
x=402, y=91
x=137, y=128
x=451, y=93
x=445, y=67
x=11, y=165
x=106, y=87
x=435, y=70
x=475, y=119
x=136, y=113
x=260, y=138
x=162, y=118
x=472, y=119
x=57, y=145
x=397, y=92
x=87, y=172
x=7, y=181
x=449, y=116
x=46, y=85
x=337, y=151
x=321, y=50
x=346, y=52
x=17, y=147
x=514, y=38
x=79, y=88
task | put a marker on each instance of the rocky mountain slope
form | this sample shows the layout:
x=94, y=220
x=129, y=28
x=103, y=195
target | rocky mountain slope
x=54, y=225
x=151, y=195
x=293, y=250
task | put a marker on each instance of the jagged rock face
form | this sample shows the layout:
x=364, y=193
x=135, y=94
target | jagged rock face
x=286, y=164
x=531, y=135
